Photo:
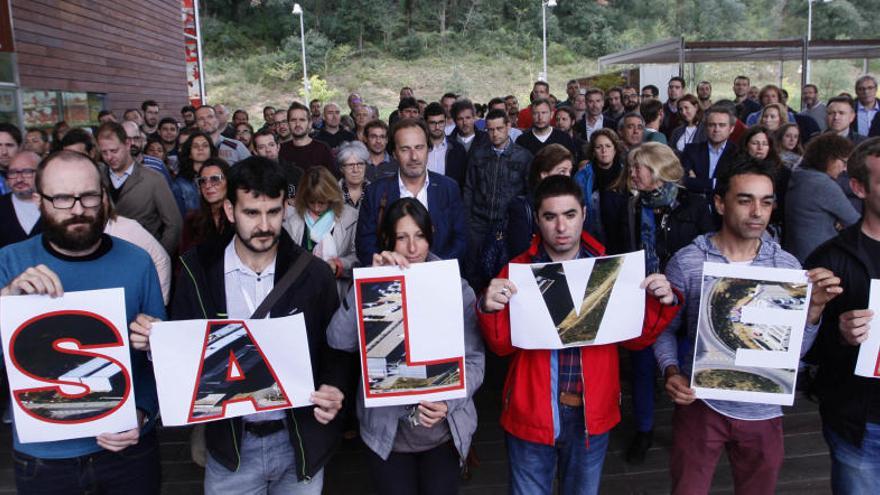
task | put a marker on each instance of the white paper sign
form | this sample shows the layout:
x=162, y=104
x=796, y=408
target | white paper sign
x=207, y=370
x=410, y=333
x=750, y=332
x=68, y=364
x=868, y=363
x=590, y=301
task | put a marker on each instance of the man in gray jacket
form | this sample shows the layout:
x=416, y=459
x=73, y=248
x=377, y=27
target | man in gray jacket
x=701, y=429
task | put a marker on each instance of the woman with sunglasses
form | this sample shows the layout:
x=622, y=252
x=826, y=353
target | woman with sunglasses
x=208, y=222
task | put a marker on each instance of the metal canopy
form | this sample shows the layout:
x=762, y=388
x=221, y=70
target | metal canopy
x=678, y=51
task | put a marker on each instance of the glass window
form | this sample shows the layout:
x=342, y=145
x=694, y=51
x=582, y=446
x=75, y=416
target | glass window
x=7, y=68
x=40, y=108
x=8, y=106
x=76, y=109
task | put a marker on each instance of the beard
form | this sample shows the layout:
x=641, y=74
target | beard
x=248, y=242
x=61, y=236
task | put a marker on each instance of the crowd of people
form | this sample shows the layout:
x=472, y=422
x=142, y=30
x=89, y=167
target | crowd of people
x=202, y=215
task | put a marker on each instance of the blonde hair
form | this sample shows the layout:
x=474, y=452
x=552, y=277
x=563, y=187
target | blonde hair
x=783, y=113
x=656, y=157
x=318, y=184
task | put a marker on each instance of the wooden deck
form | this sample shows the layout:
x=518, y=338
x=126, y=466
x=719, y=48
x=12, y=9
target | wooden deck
x=806, y=469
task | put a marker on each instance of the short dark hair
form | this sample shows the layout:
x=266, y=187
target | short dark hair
x=568, y=111
x=111, y=129
x=720, y=107
x=655, y=91
x=408, y=102
x=43, y=135
x=375, y=123
x=12, y=130
x=650, y=110
x=104, y=113
x=542, y=83
x=748, y=166
x=857, y=166
x=449, y=95
x=258, y=176
x=679, y=79
x=460, y=106
x=615, y=89
x=554, y=186
x=842, y=99
x=167, y=120
x=78, y=135
x=187, y=108
x=148, y=103
x=749, y=81
x=824, y=148
x=497, y=113
x=264, y=132
x=495, y=101
x=404, y=207
x=434, y=109
x=297, y=106
x=811, y=85
x=238, y=112
x=540, y=101
x=407, y=124
x=269, y=107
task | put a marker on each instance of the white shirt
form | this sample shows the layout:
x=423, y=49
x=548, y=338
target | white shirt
x=600, y=123
x=27, y=213
x=245, y=290
x=422, y=196
x=545, y=137
x=119, y=180
x=437, y=158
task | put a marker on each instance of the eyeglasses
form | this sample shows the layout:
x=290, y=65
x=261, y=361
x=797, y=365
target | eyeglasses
x=212, y=180
x=354, y=165
x=26, y=173
x=66, y=201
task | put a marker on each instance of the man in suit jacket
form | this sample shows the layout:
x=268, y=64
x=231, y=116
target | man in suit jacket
x=447, y=156
x=20, y=209
x=438, y=193
x=139, y=193
x=702, y=162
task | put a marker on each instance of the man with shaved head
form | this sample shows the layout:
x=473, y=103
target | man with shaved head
x=331, y=133
x=73, y=254
x=19, y=209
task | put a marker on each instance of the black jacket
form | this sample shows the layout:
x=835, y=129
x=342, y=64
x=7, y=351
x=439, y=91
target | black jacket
x=12, y=232
x=675, y=228
x=456, y=160
x=845, y=398
x=528, y=141
x=695, y=160
x=201, y=294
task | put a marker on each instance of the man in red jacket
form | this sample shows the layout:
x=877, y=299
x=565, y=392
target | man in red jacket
x=559, y=405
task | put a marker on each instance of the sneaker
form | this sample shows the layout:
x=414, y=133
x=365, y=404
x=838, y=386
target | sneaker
x=639, y=446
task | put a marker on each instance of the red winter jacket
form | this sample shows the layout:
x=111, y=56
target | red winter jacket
x=528, y=404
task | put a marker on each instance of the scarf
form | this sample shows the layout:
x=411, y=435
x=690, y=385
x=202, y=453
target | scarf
x=663, y=197
x=321, y=228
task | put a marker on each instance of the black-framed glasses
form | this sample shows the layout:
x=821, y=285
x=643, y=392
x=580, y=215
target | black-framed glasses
x=26, y=173
x=66, y=201
x=209, y=180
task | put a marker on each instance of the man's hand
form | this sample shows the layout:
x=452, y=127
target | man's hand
x=329, y=401
x=659, y=287
x=678, y=388
x=115, y=442
x=431, y=413
x=826, y=286
x=35, y=280
x=140, y=331
x=854, y=325
x=390, y=258
x=497, y=295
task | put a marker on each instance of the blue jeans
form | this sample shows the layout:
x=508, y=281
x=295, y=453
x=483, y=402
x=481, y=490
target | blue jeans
x=533, y=465
x=855, y=470
x=135, y=470
x=267, y=467
x=644, y=376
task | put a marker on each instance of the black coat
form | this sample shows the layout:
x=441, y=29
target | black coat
x=201, y=294
x=675, y=228
x=11, y=231
x=844, y=397
x=456, y=160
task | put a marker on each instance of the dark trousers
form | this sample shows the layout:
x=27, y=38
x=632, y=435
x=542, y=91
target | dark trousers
x=433, y=472
x=699, y=435
x=133, y=471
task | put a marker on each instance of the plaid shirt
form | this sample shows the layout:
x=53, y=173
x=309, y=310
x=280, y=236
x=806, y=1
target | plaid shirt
x=570, y=377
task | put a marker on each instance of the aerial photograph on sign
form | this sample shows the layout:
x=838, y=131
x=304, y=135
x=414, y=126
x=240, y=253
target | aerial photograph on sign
x=578, y=328
x=722, y=330
x=383, y=316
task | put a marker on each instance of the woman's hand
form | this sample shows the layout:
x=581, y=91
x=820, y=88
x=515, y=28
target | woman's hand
x=431, y=413
x=390, y=258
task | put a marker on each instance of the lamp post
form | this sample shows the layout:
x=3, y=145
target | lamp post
x=544, y=5
x=810, y=33
x=297, y=10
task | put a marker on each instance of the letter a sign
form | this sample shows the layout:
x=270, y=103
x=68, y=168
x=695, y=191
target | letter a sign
x=68, y=364
x=208, y=370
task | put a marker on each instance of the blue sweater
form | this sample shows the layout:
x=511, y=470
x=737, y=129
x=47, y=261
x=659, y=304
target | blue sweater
x=117, y=263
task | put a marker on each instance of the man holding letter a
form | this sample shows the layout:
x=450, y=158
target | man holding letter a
x=73, y=254
x=282, y=451
x=701, y=429
x=559, y=405
x=850, y=404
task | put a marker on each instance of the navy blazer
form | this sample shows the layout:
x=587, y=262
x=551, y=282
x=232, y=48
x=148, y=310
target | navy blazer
x=695, y=158
x=444, y=205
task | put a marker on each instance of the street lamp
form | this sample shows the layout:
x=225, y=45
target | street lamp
x=297, y=10
x=810, y=33
x=544, y=5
